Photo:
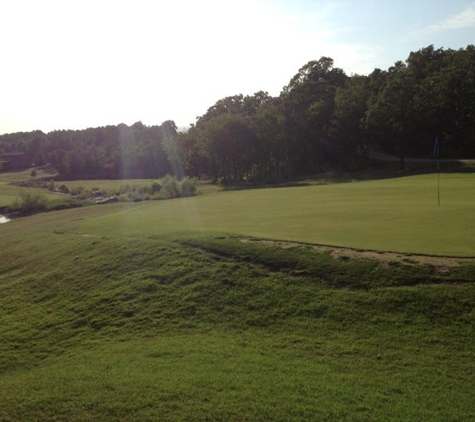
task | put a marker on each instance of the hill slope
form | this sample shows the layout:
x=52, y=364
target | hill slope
x=116, y=312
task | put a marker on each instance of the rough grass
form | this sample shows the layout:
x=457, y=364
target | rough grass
x=113, y=325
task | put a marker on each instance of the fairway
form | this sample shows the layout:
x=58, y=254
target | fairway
x=398, y=215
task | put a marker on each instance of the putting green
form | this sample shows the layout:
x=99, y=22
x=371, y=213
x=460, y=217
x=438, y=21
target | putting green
x=399, y=215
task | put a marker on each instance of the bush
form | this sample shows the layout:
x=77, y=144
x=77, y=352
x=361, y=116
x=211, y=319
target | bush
x=29, y=203
x=155, y=188
x=167, y=188
x=170, y=188
x=63, y=189
x=187, y=187
x=77, y=191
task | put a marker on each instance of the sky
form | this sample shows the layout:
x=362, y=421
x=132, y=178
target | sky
x=86, y=63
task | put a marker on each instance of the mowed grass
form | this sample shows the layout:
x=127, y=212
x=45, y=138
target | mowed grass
x=9, y=193
x=158, y=311
x=400, y=214
x=392, y=215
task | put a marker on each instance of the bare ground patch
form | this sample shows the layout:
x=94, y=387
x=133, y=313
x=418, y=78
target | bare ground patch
x=441, y=264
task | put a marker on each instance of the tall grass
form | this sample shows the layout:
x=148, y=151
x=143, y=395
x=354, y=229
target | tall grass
x=29, y=203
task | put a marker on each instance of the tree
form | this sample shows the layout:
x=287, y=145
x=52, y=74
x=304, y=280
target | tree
x=431, y=95
x=228, y=138
x=192, y=153
x=308, y=103
x=351, y=104
x=270, y=146
x=391, y=112
x=170, y=146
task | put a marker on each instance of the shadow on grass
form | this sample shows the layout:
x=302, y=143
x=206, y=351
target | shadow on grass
x=376, y=170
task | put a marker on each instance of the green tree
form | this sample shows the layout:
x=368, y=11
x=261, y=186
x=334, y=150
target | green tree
x=270, y=142
x=228, y=139
x=192, y=153
x=390, y=114
x=351, y=104
x=170, y=146
x=308, y=103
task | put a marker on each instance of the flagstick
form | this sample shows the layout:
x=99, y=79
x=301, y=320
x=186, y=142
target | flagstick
x=438, y=181
x=437, y=154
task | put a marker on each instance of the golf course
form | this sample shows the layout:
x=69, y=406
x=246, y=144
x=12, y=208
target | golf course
x=255, y=211
x=317, y=301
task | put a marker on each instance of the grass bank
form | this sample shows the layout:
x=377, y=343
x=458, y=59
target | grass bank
x=113, y=324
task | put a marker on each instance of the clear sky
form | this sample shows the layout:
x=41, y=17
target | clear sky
x=73, y=64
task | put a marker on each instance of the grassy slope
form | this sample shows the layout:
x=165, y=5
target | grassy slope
x=122, y=312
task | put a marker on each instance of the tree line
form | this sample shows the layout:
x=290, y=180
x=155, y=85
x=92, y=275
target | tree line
x=322, y=120
x=110, y=152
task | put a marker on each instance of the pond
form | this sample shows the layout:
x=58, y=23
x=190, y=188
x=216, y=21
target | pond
x=4, y=219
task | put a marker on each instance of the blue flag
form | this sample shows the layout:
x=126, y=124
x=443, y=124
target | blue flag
x=436, y=147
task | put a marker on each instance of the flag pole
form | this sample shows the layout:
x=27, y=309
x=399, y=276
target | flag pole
x=438, y=180
x=436, y=154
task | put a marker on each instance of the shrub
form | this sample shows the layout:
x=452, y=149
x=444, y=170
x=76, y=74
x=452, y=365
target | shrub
x=63, y=189
x=187, y=187
x=155, y=188
x=166, y=188
x=77, y=191
x=29, y=203
x=170, y=188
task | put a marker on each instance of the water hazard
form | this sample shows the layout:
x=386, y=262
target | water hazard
x=4, y=219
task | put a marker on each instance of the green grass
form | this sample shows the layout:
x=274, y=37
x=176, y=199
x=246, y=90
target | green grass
x=393, y=215
x=105, y=185
x=243, y=376
x=158, y=311
x=10, y=193
x=175, y=327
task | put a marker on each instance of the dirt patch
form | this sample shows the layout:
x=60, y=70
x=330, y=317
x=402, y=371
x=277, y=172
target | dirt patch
x=441, y=264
